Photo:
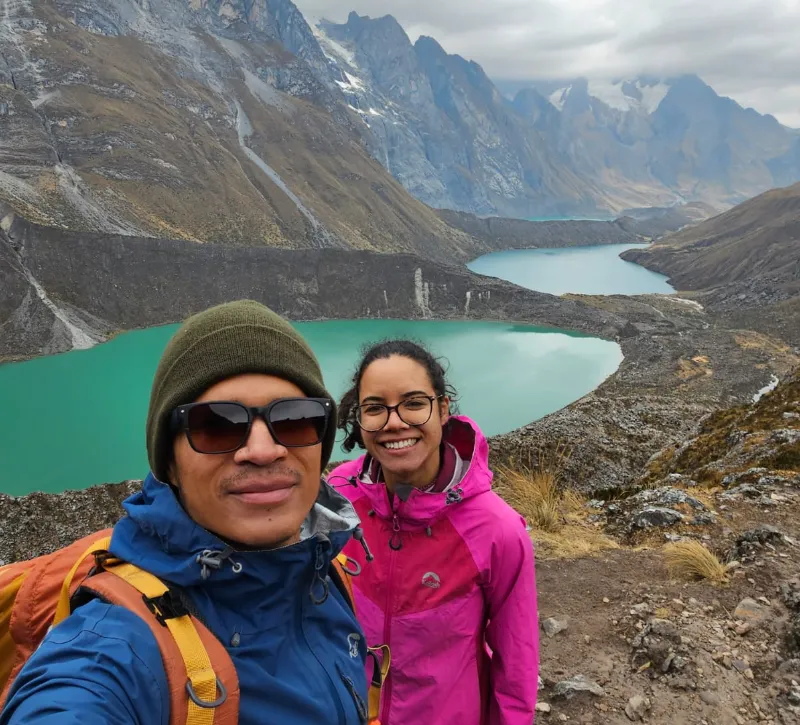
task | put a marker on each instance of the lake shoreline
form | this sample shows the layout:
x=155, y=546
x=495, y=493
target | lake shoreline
x=107, y=388
x=680, y=364
x=589, y=270
x=102, y=284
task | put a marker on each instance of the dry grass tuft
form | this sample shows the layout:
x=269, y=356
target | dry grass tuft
x=534, y=494
x=692, y=560
x=534, y=490
x=557, y=516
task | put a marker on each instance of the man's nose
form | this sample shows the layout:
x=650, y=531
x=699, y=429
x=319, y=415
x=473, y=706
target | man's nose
x=261, y=448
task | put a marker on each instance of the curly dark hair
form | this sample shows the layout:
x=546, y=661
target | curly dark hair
x=379, y=351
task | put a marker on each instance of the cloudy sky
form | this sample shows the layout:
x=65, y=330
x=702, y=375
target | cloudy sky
x=746, y=49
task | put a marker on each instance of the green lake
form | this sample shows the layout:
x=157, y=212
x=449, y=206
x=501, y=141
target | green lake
x=77, y=419
x=595, y=270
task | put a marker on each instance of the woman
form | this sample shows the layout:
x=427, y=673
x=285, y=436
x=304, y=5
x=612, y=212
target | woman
x=452, y=588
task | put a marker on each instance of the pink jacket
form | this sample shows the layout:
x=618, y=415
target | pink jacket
x=454, y=596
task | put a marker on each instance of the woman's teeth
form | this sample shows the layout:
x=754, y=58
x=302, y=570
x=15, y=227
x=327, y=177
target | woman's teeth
x=396, y=445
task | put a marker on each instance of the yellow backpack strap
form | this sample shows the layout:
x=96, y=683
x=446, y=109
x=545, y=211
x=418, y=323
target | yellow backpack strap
x=380, y=670
x=63, y=607
x=202, y=684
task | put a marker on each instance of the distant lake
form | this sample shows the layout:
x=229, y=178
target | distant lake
x=596, y=270
x=568, y=219
x=77, y=419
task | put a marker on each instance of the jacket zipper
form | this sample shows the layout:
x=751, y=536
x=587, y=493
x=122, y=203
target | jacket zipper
x=361, y=706
x=395, y=544
x=338, y=701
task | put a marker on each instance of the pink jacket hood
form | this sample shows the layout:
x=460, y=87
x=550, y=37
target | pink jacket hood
x=422, y=508
x=451, y=590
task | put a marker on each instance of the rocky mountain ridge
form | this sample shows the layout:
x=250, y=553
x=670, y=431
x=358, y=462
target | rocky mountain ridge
x=238, y=122
x=452, y=138
x=192, y=121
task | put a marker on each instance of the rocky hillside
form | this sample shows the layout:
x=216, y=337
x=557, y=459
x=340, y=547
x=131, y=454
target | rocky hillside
x=752, y=447
x=642, y=225
x=748, y=257
x=504, y=233
x=679, y=601
x=681, y=363
x=192, y=121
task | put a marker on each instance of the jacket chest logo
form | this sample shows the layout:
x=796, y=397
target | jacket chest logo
x=352, y=643
x=431, y=579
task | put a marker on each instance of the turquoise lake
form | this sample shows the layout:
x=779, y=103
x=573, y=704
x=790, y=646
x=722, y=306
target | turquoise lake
x=77, y=419
x=597, y=270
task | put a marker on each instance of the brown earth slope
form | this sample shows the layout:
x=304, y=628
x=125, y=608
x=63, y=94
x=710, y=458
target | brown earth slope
x=746, y=257
x=156, y=128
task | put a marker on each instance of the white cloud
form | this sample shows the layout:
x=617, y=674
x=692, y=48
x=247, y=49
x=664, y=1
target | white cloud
x=746, y=49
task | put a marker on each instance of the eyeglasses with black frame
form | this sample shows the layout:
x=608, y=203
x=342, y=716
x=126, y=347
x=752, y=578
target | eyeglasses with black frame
x=415, y=411
x=223, y=426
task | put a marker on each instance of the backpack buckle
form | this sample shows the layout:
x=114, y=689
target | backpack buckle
x=168, y=606
x=207, y=704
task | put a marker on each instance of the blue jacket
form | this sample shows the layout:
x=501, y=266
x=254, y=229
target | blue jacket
x=293, y=657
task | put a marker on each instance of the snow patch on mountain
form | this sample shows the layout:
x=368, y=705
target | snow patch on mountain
x=333, y=51
x=351, y=82
x=559, y=97
x=653, y=95
x=639, y=95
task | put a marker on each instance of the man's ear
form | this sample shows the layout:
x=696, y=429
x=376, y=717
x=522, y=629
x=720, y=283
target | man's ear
x=172, y=472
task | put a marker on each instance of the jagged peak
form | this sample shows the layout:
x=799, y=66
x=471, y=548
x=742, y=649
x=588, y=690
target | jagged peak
x=427, y=44
x=528, y=96
x=386, y=23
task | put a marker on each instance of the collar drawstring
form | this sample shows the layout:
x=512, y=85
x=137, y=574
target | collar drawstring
x=319, y=585
x=212, y=559
x=358, y=535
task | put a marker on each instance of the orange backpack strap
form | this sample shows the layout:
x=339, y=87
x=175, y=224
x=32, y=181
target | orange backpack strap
x=29, y=592
x=202, y=679
x=341, y=577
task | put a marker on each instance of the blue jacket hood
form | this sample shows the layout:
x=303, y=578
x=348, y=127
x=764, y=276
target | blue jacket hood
x=159, y=536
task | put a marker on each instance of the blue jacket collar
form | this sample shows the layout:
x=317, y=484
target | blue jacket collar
x=159, y=536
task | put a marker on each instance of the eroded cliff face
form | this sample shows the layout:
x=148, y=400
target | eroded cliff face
x=26, y=324
x=103, y=283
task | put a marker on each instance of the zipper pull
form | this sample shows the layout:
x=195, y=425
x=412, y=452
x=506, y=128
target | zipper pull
x=395, y=542
x=358, y=535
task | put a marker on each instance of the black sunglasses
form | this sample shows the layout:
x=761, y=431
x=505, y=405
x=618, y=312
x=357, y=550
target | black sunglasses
x=224, y=426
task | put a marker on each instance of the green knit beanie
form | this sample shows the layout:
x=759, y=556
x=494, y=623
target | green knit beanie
x=219, y=343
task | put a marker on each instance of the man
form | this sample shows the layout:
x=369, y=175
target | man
x=234, y=518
